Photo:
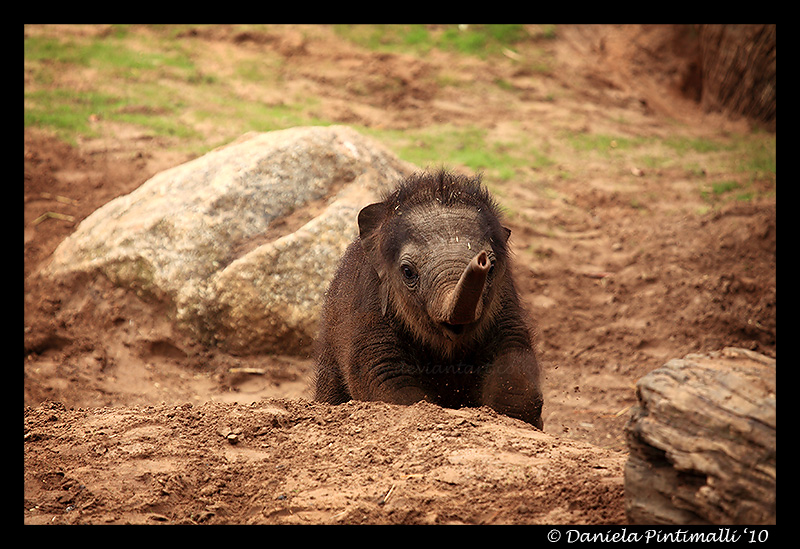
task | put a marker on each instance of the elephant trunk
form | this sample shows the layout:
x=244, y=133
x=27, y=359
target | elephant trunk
x=466, y=302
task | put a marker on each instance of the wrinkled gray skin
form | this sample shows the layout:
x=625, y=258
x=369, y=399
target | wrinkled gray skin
x=423, y=306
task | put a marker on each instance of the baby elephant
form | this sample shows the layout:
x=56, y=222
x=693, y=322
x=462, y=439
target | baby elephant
x=423, y=306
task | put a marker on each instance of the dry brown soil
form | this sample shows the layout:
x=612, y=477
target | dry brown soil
x=622, y=269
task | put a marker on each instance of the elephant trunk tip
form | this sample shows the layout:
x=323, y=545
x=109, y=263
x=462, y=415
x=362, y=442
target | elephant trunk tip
x=466, y=302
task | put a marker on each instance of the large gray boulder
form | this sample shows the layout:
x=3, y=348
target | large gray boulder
x=218, y=238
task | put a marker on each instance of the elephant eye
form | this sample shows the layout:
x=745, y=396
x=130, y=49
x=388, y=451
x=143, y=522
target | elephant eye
x=410, y=275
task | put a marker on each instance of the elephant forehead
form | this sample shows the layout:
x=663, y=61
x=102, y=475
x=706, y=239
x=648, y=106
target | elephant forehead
x=435, y=226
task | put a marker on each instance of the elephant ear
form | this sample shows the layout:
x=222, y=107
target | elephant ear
x=369, y=221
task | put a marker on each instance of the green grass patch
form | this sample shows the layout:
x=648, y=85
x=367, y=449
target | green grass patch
x=721, y=191
x=468, y=147
x=67, y=111
x=414, y=38
x=255, y=116
x=480, y=40
x=70, y=113
x=758, y=155
x=108, y=53
x=143, y=80
x=126, y=84
x=722, y=187
x=751, y=153
x=682, y=145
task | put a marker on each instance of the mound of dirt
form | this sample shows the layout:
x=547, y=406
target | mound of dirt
x=127, y=420
x=294, y=462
